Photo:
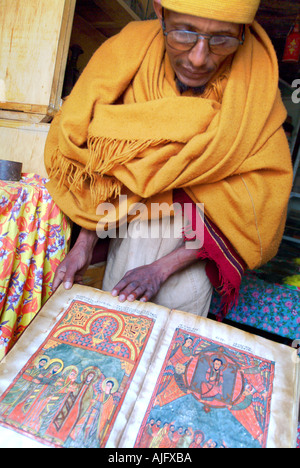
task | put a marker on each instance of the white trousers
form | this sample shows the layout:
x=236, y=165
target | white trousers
x=188, y=290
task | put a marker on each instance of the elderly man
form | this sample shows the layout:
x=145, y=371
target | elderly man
x=182, y=109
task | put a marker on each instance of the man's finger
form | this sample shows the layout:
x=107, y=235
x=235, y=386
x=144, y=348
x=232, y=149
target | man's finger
x=68, y=284
x=58, y=278
x=126, y=287
x=64, y=274
x=69, y=277
x=136, y=294
x=148, y=294
x=119, y=287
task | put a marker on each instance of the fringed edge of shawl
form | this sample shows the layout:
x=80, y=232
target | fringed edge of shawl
x=106, y=153
x=74, y=176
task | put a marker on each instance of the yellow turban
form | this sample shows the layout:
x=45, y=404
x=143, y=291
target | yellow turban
x=232, y=11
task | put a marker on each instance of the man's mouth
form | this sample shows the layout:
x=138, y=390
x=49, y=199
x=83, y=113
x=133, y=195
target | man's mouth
x=194, y=74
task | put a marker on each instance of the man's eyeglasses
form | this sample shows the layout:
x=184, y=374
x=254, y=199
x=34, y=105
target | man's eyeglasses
x=184, y=41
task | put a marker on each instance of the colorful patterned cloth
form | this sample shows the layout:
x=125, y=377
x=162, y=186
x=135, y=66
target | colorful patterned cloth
x=274, y=308
x=34, y=237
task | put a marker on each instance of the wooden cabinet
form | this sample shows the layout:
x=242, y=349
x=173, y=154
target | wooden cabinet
x=34, y=44
x=35, y=37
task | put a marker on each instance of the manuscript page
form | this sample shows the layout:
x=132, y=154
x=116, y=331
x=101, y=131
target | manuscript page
x=210, y=384
x=73, y=377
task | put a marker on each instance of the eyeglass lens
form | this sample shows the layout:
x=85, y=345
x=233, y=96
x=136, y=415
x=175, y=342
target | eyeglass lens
x=186, y=40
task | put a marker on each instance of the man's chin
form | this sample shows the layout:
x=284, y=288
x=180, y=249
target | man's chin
x=193, y=80
x=183, y=87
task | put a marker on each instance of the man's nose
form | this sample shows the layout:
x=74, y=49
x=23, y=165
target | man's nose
x=199, y=54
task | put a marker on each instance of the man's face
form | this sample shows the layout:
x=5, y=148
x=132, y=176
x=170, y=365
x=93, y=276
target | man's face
x=197, y=66
x=217, y=364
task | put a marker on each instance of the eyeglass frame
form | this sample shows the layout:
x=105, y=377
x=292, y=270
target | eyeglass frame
x=203, y=36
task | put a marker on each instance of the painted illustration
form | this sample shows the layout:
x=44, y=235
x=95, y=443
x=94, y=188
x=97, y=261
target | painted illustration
x=71, y=390
x=208, y=395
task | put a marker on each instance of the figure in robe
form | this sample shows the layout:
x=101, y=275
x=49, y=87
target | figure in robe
x=182, y=353
x=172, y=385
x=62, y=424
x=197, y=440
x=13, y=402
x=107, y=406
x=39, y=378
x=88, y=414
x=245, y=413
x=65, y=388
x=42, y=396
x=94, y=421
x=212, y=388
x=186, y=439
x=148, y=434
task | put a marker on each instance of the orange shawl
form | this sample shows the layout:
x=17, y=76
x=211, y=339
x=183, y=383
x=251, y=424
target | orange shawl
x=226, y=149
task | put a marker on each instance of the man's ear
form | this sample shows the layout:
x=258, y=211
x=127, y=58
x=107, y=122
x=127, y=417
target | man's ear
x=158, y=9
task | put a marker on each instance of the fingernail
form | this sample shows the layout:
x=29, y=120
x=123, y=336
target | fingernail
x=130, y=297
x=67, y=285
x=122, y=297
x=114, y=292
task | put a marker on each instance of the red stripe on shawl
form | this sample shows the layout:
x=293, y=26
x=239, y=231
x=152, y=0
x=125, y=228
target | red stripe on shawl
x=224, y=267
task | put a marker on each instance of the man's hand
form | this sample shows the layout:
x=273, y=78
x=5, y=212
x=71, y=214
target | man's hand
x=73, y=267
x=141, y=283
x=144, y=282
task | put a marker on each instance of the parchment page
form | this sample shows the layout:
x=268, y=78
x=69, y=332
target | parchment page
x=210, y=385
x=90, y=340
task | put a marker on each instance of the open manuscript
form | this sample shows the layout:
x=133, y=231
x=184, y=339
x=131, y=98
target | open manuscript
x=93, y=372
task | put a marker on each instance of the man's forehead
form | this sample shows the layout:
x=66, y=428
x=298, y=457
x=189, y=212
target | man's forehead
x=202, y=24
